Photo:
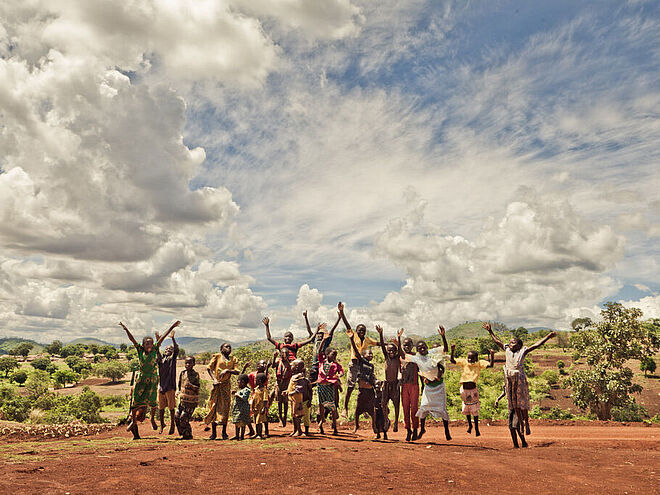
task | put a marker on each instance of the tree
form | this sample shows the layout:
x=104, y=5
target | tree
x=8, y=364
x=40, y=363
x=607, y=346
x=78, y=365
x=94, y=348
x=65, y=375
x=109, y=352
x=123, y=347
x=73, y=350
x=647, y=364
x=581, y=323
x=37, y=383
x=55, y=347
x=19, y=376
x=22, y=349
x=520, y=332
x=112, y=369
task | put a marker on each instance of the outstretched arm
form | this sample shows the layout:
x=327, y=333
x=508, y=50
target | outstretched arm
x=402, y=353
x=129, y=334
x=266, y=322
x=488, y=328
x=164, y=336
x=311, y=337
x=451, y=356
x=245, y=366
x=379, y=329
x=441, y=331
x=309, y=329
x=340, y=307
x=491, y=358
x=541, y=342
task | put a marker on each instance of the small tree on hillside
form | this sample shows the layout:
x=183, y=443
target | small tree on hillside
x=65, y=375
x=54, y=347
x=607, y=346
x=37, y=383
x=520, y=332
x=19, y=376
x=647, y=365
x=40, y=363
x=112, y=369
x=22, y=349
x=7, y=365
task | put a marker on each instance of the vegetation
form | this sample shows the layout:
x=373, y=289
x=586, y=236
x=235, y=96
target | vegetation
x=7, y=365
x=22, y=349
x=114, y=370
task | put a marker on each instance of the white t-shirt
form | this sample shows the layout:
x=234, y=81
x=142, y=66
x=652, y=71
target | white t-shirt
x=428, y=365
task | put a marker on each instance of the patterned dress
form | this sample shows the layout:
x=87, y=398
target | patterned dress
x=145, y=392
x=240, y=413
x=517, y=390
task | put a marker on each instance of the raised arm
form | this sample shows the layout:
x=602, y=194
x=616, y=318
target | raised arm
x=164, y=336
x=340, y=307
x=129, y=334
x=441, y=331
x=451, y=356
x=273, y=362
x=541, y=342
x=266, y=322
x=402, y=353
x=355, y=350
x=310, y=338
x=309, y=329
x=489, y=329
x=245, y=366
x=379, y=329
x=175, y=345
x=491, y=358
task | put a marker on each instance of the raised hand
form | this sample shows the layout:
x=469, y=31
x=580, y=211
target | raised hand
x=172, y=334
x=552, y=334
x=305, y=313
x=399, y=333
x=265, y=321
x=123, y=326
x=441, y=330
x=379, y=329
x=340, y=307
x=176, y=324
x=487, y=327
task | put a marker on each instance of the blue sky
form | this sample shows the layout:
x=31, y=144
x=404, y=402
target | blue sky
x=425, y=162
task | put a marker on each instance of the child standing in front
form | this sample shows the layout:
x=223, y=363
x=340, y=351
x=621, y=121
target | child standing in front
x=299, y=394
x=329, y=374
x=390, y=387
x=366, y=379
x=472, y=367
x=431, y=367
x=409, y=390
x=260, y=405
x=188, y=398
x=240, y=414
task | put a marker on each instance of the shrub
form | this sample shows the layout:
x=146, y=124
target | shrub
x=85, y=407
x=19, y=376
x=561, y=365
x=64, y=376
x=113, y=369
x=37, y=383
x=8, y=364
x=647, y=364
x=629, y=412
x=558, y=413
x=16, y=408
x=550, y=376
x=40, y=363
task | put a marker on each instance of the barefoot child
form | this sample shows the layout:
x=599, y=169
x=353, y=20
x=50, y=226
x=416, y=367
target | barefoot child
x=329, y=374
x=299, y=394
x=431, y=368
x=145, y=391
x=291, y=349
x=381, y=419
x=359, y=343
x=409, y=390
x=366, y=379
x=517, y=390
x=167, y=383
x=390, y=387
x=188, y=398
x=322, y=341
x=220, y=369
x=240, y=413
x=260, y=405
x=472, y=367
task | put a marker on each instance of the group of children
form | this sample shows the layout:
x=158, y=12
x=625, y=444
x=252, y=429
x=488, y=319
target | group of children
x=406, y=365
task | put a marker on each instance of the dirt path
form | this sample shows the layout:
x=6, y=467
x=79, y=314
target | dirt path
x=561, y=459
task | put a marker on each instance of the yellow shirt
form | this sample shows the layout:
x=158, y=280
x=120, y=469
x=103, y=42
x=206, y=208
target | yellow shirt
x=471, y=371
x=218, y=363
x=365, y=344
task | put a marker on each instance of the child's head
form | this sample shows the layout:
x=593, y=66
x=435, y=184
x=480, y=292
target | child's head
x=392, y=350
x=261, y=366
x=288, y=337
x=261, y=379
x=225, y=349
x=515, y=344
x=422, y=348
x=407, y=345
x=297, y=366
x=368, y=354
x=242, y=380
x=472, y=356
x=148, y=344
x=169, y=350
x=331, y=354
x=361, y=330
x=190, y=362
x=322, y=331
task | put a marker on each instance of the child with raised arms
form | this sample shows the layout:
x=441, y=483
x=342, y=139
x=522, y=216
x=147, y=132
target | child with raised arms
x=390, y=387
x=409, y=390
x=471, y=369
x=328, y=381
x=431, y=368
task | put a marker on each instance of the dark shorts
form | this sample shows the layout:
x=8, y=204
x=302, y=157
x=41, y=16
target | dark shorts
x=391, y=392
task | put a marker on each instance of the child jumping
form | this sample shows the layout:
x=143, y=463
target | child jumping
x=328, y=381
x=299, y=394
x=390, y=387
x=145, y=392
x=517, y=389
x=188, y=398
x=366, y=379
x=431, y=368
x=472, y=367
x=260, y=405
x=281, y=374
x=240, y=413
x=167, y=383
x=409, y=390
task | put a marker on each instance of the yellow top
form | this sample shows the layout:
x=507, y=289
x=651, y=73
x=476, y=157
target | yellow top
x=471, y=371
x=219, y=363
x=259, y=400
x=365, y=344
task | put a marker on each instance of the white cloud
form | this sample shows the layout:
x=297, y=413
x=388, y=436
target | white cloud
x=650, y=306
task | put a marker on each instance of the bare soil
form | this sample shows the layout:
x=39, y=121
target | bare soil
x=563, y=457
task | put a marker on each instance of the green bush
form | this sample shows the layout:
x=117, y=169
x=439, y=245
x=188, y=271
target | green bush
x=561, y=365
x=550, y=376
x=112, y=369
x=16, y=408
x=40, y=363
x=19, y=376
x=558, y=413
x=37, y=383
x=8, y=364
x=65, y=375
x=117, y=401
x=629, y=412
x=85, y=407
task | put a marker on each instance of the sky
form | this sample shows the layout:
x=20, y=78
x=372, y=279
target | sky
x=426, y=162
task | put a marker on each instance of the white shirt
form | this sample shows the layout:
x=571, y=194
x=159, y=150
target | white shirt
x=428, y=365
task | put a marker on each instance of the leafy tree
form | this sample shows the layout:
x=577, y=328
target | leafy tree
x=65, y=375
x=182, y=353
x=37, y=383
x=16, y=408
x=40, y=363
x=110, y=352
x=73, y=350
x=581, y=323
x=8, y=364
x=111, y=369
x=647, y=364
x=93, y=348
x=79, y=365
x=204, y=357
x=19, y=376
x=55, y=347
x=123, y=347
x=22, y=349
x=520, y=332
x=607, y=346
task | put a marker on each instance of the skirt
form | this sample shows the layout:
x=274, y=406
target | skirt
x=517, y=390
x=434, y=402
x=326, y=393
x=365, y=401
x=471, y=402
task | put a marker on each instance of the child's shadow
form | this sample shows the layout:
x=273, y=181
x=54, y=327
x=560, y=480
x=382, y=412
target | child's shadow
x=477, y=447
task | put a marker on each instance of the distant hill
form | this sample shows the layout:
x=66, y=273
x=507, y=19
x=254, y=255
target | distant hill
x=91, y=340
x=8, y=343
x=195, y=345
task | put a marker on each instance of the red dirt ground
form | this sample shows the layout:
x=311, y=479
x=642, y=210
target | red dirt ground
x=563, y=457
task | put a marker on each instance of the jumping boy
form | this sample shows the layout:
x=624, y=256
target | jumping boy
x=220, y=369
x=167, y=383
x=472, y=367
x=281, y=374
x=359, y=343
x=409, y=390
x=366, y=380
x=390, y=387
x=189, y=383
x=145, y=392
x=517, y=389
